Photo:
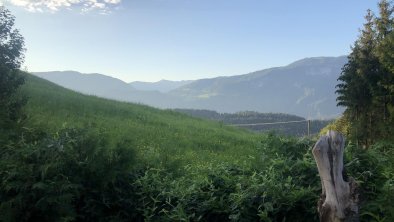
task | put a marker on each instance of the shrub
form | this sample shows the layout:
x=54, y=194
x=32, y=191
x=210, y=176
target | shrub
x=72, y=175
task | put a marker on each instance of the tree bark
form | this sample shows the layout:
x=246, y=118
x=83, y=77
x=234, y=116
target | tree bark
x=339, y=198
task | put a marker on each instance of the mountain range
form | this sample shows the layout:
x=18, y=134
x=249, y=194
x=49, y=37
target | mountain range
x=305, y=88
x=163, y=86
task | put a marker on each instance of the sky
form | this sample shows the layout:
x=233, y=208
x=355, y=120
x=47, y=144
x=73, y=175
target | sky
x=150, y=40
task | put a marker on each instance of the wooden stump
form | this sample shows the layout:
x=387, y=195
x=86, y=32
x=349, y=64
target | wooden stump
x=339, y=198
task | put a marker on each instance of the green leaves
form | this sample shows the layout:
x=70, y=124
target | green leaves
x=11, y=57
x=11, y=41
x=78, y=175
x=74, y=174
x=286, y=187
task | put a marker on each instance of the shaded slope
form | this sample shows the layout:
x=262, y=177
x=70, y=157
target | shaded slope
x=305, y=88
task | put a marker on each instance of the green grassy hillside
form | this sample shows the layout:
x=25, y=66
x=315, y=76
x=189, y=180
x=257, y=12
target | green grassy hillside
x=154, y=133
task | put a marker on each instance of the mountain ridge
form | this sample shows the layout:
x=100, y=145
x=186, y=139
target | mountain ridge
x=305, y=88
x=163, y=85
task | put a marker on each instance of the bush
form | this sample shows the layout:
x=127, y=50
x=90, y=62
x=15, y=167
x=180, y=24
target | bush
x=72, y=175
x=373, y=170
x=78, y=175
x=285, y=188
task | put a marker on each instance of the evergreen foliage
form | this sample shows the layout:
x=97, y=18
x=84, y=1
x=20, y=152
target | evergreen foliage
x=367, y=80
x=366, y=90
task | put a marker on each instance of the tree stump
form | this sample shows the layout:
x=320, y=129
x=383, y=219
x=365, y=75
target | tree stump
x=339, y=198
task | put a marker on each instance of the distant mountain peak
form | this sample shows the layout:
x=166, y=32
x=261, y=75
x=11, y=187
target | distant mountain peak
x=305, y=88
x=316, y=61
x=162, y=86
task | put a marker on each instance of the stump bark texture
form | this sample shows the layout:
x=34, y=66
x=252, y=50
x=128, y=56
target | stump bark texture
x=339, y=198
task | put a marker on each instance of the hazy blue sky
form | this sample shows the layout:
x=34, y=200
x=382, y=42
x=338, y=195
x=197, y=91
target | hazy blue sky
x=183, y=39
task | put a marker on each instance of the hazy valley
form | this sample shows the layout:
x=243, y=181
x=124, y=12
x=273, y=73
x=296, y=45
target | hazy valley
x=305, y=88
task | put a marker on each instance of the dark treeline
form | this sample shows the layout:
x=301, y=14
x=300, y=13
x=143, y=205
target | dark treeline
x=251, y=117
x=366, y=85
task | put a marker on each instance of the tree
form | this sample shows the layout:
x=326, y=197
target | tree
x=367, y=81
x=384, y=23
x=357, y=80
x=384, y=51
x=11, y=41
x=11, y=57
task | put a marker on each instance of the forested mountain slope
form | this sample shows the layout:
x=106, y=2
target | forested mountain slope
x=305, y=88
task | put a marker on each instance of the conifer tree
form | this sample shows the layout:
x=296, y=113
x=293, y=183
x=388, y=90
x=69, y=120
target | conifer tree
x=355, y=87
x=366, y=83
x=384, y=51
